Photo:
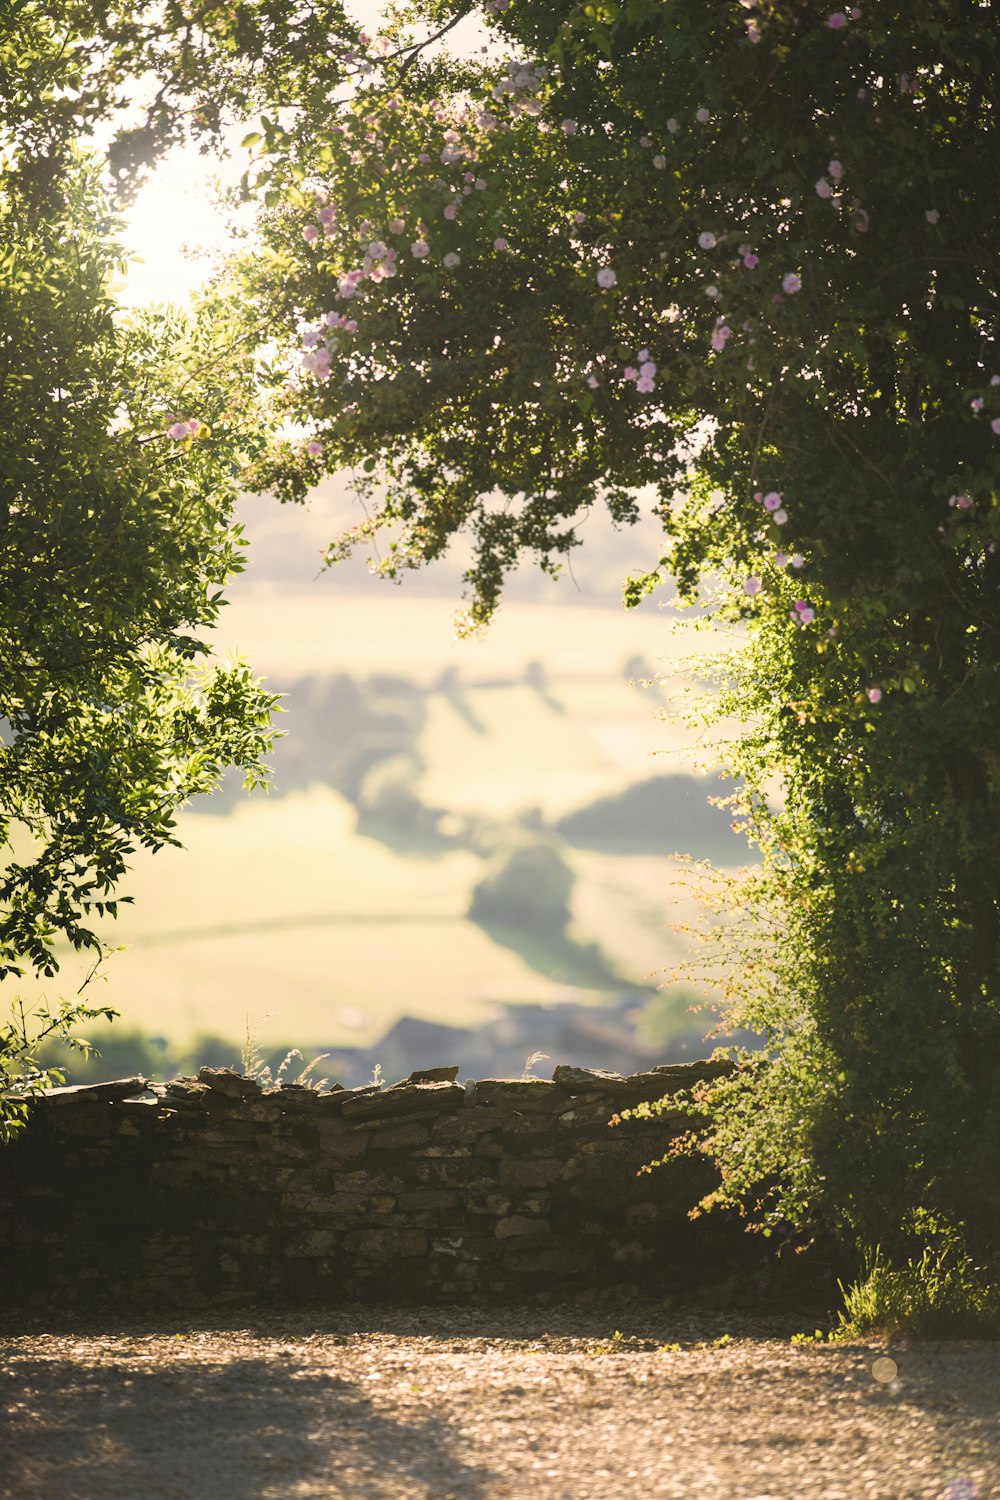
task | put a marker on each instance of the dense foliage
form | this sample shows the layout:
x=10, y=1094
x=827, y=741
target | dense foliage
x=120, y=452
x=741, y=257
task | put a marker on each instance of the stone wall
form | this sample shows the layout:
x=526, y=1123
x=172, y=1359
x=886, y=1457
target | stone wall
x=210, y=1190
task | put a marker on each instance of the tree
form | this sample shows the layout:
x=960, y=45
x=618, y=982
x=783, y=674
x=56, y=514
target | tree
x=120, y=453
x=746, y=256
x=122, y=446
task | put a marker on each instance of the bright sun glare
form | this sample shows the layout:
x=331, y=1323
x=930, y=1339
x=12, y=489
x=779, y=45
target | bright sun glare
x=176, y=212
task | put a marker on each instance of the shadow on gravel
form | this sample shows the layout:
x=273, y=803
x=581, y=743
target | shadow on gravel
x=640, y=1317
x=248, y=1427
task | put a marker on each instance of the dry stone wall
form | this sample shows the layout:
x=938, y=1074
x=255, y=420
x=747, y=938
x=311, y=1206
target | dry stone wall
x=210, y=1189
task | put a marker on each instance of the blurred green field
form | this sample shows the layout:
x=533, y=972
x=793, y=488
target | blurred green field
x=281, y=915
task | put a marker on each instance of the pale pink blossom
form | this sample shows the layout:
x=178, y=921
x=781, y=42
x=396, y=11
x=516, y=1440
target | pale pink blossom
x=396, y=226
x=932, y=216
x=630, y=373
x=450, y=210
x=178, y=431
x=791, y=283
x=420, y=248
x=753, y=32
x=500, y=243
x=835, y=169
x=780, y=517
x=606, y=278
x=781, y=559
x=750, y=260
x=314, y=449
x=579, y=218
x=701, y=115
x=645, y=385
x=310, y=233
x=823, y=188
x=568, y=127
x=593, y=382
x=720, y=337
x=874, y=695
x=751, y=585
x=797, y=560
x=452, y=259
x=976, y=403
x=647, y=368
x=194, y=426
x=707, y=240
x=995, y=380
x=673, y=126
x=995, y=425
x=772, y=501
x=659, y=162
x=837, y=21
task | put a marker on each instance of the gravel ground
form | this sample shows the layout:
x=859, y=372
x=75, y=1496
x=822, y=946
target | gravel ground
x=465, y=1404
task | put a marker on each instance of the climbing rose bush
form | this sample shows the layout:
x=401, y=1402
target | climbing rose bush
x=736, y=262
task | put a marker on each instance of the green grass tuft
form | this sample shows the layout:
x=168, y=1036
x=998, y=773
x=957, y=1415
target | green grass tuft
x=943, y=1295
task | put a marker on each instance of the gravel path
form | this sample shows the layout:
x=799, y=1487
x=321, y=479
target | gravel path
x=460, y=1404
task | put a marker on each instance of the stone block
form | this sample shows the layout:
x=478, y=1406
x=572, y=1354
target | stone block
x=553, y=1256
x=367, y=1182
x=429, y=1201
x=584, y=1079
x=229, y=1082
x=429, y=1075
x=338, y=1142
x=333, y=1103
x=312, y=1242
x=494, y=1204
x=460, y=1173
x=528, y=1174
x=464, y=1247
x=74, y=1094
x=386, y=1244
x=516, y=1225
x=92, y=1120
x=458, y=1129
x=512, y=1093
x=397, y=1136
x=416, y=1098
